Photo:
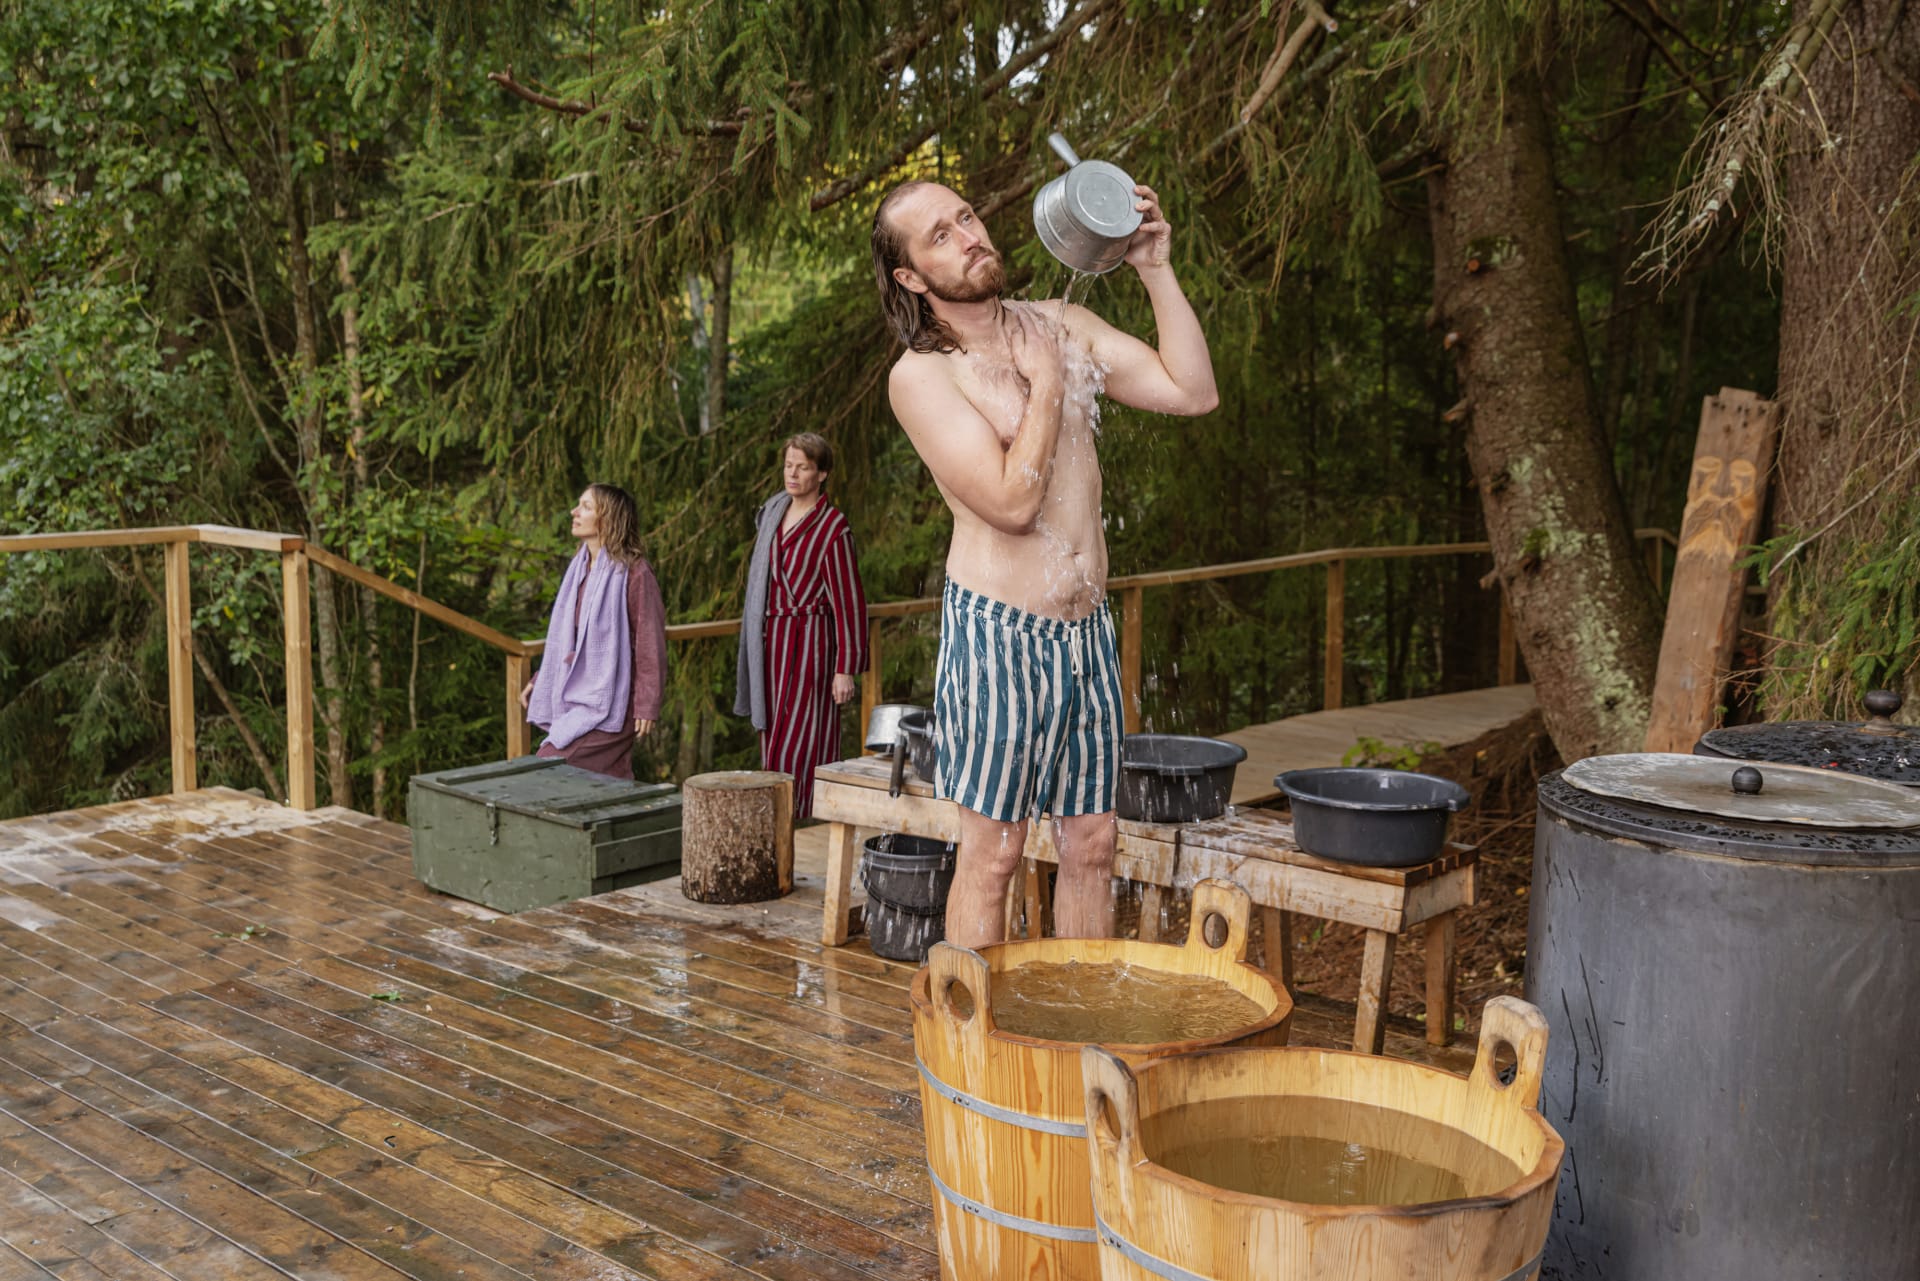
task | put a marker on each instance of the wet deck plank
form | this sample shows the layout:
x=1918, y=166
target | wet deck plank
x=241, y=1041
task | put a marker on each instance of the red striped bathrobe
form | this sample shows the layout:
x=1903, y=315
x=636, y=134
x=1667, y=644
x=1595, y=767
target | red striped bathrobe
x=816, y=626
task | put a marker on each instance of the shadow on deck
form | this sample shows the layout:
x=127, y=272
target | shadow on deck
x=239, y=1041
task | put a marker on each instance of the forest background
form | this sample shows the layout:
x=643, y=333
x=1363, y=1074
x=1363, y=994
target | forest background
x=401, y=277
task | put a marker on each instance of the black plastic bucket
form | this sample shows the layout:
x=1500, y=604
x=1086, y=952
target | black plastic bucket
x=1175, y=778
x=907, y=880
x=1378, y=817
x=917, y=729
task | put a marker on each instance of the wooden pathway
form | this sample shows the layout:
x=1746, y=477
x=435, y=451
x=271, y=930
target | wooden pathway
x=1324, y=738
x=240, y=1041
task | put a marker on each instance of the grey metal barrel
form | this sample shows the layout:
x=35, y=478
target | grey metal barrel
x=1734, y=1047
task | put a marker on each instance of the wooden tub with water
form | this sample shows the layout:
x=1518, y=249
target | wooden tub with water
x=998, y=1036
x=1323, y=1165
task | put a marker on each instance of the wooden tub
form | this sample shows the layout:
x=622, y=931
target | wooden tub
x=1005, y=1114
x=1158, y=1225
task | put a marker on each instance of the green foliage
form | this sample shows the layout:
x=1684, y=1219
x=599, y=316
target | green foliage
x=1367, y=750
x=521, y=296
x=1840, y=634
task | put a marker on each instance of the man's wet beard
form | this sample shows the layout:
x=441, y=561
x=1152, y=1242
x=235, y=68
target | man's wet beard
x=962, y=290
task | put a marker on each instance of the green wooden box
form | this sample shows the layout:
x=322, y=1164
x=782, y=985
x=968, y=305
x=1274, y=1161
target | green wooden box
x=524, y=833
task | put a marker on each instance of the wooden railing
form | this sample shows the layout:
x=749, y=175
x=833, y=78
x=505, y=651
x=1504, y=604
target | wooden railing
x=297, y=556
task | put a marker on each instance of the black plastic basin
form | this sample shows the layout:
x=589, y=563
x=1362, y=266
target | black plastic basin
x=1176, y=778
x=1379, y=817
x=913, y=872
x=907, y=879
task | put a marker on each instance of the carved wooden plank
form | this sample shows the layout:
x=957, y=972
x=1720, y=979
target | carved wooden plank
x=1731, y=457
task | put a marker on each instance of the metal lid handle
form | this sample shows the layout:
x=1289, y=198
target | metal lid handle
x=1883, y=703
x=1063, y=149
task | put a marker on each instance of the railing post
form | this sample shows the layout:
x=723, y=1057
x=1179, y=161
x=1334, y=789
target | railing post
x=870, y=687
x=1336, y=633
x=1509, y=649
x=519, y=737
x=299, y=640
x=1132, y=607
x=1654, y=561
x=180, y=667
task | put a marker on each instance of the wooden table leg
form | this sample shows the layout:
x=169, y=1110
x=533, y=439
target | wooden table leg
x=1276, y=932
x=1376, y=980
x=840, y=856
x=1039, y=899
x=1440, y=980
x=1030, y=893
x=1153, y=900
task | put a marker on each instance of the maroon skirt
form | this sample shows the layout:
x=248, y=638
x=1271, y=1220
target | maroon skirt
x=606, y=752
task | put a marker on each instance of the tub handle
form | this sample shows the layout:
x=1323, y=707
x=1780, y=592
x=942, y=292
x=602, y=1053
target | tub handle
x=948, y=966
x=1113, y=1102
x=1510, y=1021
x=1221, y=909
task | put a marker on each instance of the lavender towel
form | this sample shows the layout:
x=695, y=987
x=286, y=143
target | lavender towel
x=586, y=676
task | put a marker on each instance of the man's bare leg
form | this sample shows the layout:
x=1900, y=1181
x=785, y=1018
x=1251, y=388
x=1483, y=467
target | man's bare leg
x=990, y=853
x=1083, y=898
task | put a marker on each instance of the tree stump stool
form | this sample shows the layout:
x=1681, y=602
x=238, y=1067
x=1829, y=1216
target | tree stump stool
x=736, y=836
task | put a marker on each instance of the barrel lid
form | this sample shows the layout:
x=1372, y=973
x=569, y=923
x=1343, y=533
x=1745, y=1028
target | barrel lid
x=1100, y=197
x=550, y=789
x=1695, y=831
x=1777, y=794
x=1876, y=747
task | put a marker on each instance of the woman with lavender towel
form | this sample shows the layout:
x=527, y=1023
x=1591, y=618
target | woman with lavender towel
x=605, y=664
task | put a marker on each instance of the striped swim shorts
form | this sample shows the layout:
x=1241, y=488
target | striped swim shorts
x=1027, y=712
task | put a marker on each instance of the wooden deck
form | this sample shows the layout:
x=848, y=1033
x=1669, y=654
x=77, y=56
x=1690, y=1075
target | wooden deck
x=240, y=1041
x=1324, y=738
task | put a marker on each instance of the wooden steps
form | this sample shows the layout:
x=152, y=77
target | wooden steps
x=241, y=1041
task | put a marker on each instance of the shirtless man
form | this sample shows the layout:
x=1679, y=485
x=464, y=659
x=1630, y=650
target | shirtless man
x=998, y=397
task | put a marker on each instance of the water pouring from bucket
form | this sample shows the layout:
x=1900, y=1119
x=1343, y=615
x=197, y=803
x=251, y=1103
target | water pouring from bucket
x=1086, y=216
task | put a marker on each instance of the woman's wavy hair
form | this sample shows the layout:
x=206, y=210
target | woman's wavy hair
x=619, y=519
x=909, y=315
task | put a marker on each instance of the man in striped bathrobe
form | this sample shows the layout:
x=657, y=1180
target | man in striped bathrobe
x=1000, y=400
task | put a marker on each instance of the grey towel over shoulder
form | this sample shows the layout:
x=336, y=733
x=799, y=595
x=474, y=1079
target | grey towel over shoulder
x=750, y=672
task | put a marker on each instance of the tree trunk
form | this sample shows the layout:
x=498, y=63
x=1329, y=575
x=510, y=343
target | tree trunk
x=736, y=836
x=720, y=339
x=308, y=417
x=1581, y=602
x=362, y=484
x=1850, y=261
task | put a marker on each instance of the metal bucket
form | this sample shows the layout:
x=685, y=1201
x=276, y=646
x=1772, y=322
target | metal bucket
x=1085, y=217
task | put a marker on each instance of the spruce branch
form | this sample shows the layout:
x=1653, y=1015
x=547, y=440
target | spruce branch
x=1285, y=55
x=1748, y=141
x=1082, y=14
x=1329, y=61
x=896, y=56
x=574, y=107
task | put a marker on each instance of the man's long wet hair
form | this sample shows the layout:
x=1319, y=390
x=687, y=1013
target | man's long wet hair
x=619, y=521
x=909, y=315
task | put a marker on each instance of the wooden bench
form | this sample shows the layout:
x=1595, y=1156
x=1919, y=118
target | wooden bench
x=1252, y=848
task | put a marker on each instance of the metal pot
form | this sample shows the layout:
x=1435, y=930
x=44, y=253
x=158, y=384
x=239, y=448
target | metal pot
x=1377, y=817
x=1876, y=747
x=1085, y=217
x=1175, y=778
x=884, y=735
